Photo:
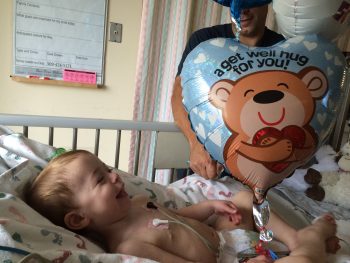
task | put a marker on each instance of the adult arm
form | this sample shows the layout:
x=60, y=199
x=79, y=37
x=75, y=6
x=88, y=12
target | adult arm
x=200, y=161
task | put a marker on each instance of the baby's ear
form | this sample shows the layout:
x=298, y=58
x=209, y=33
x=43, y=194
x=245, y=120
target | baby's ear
x=76, y=221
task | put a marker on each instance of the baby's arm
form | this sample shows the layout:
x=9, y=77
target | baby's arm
x=150, y=251
x=203, y=210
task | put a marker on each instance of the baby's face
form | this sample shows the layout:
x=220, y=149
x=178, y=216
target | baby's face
x=99, y=192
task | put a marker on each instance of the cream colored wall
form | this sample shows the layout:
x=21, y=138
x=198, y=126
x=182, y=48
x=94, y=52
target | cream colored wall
x=114, y=101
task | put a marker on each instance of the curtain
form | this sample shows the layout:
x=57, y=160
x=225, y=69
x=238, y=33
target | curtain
x=165, y=28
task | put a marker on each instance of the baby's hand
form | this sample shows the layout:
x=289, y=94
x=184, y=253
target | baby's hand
x=227, y=208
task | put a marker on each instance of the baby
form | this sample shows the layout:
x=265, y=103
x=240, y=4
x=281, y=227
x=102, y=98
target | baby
x=78, y=191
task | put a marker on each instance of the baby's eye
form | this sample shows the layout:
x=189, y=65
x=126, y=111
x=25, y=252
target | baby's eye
x=108, y=169
x=100, y=178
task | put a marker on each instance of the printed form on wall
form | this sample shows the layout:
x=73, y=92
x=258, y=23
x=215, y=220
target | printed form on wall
x=53, y=36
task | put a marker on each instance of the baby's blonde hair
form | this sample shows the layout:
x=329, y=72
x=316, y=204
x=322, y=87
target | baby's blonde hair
x=49, y=193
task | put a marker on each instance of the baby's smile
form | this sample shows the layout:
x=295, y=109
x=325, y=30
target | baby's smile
x=122, y=193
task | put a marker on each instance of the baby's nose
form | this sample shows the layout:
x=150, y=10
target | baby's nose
x=114, y=177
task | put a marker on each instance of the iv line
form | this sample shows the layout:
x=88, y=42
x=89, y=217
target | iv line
x=158, y=221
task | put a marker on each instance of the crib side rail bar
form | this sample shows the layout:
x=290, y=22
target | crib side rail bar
x=84, y=123
x=53, y=122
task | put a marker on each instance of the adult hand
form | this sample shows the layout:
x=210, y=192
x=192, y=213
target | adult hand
x=202, y=164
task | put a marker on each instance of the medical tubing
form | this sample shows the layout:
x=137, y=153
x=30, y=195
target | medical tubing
x=14, y=250
x=178, y=221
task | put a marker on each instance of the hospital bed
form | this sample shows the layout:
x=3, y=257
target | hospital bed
x=26, y=236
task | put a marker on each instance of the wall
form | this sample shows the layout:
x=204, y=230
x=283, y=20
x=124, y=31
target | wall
x=114, y=101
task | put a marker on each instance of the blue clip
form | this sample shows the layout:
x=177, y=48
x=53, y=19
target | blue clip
x=273, y=255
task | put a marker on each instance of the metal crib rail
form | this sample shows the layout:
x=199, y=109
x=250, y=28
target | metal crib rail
x=52, y=122
x=87, y=123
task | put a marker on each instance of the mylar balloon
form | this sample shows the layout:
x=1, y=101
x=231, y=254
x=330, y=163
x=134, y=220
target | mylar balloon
x=263, y=112
x=327, y=18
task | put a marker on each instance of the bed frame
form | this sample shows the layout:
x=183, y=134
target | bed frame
x=168, y=136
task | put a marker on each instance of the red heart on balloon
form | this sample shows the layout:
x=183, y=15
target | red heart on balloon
x=293, y=133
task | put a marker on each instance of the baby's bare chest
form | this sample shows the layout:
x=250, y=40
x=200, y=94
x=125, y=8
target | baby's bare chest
x=156, y=226
x=171, y=232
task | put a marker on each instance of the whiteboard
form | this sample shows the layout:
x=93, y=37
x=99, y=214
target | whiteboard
x=51, y=35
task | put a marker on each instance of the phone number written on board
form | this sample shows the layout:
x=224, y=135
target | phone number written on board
x=58, y=64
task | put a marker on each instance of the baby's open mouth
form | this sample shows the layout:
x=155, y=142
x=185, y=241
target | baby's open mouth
x=121, y=193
